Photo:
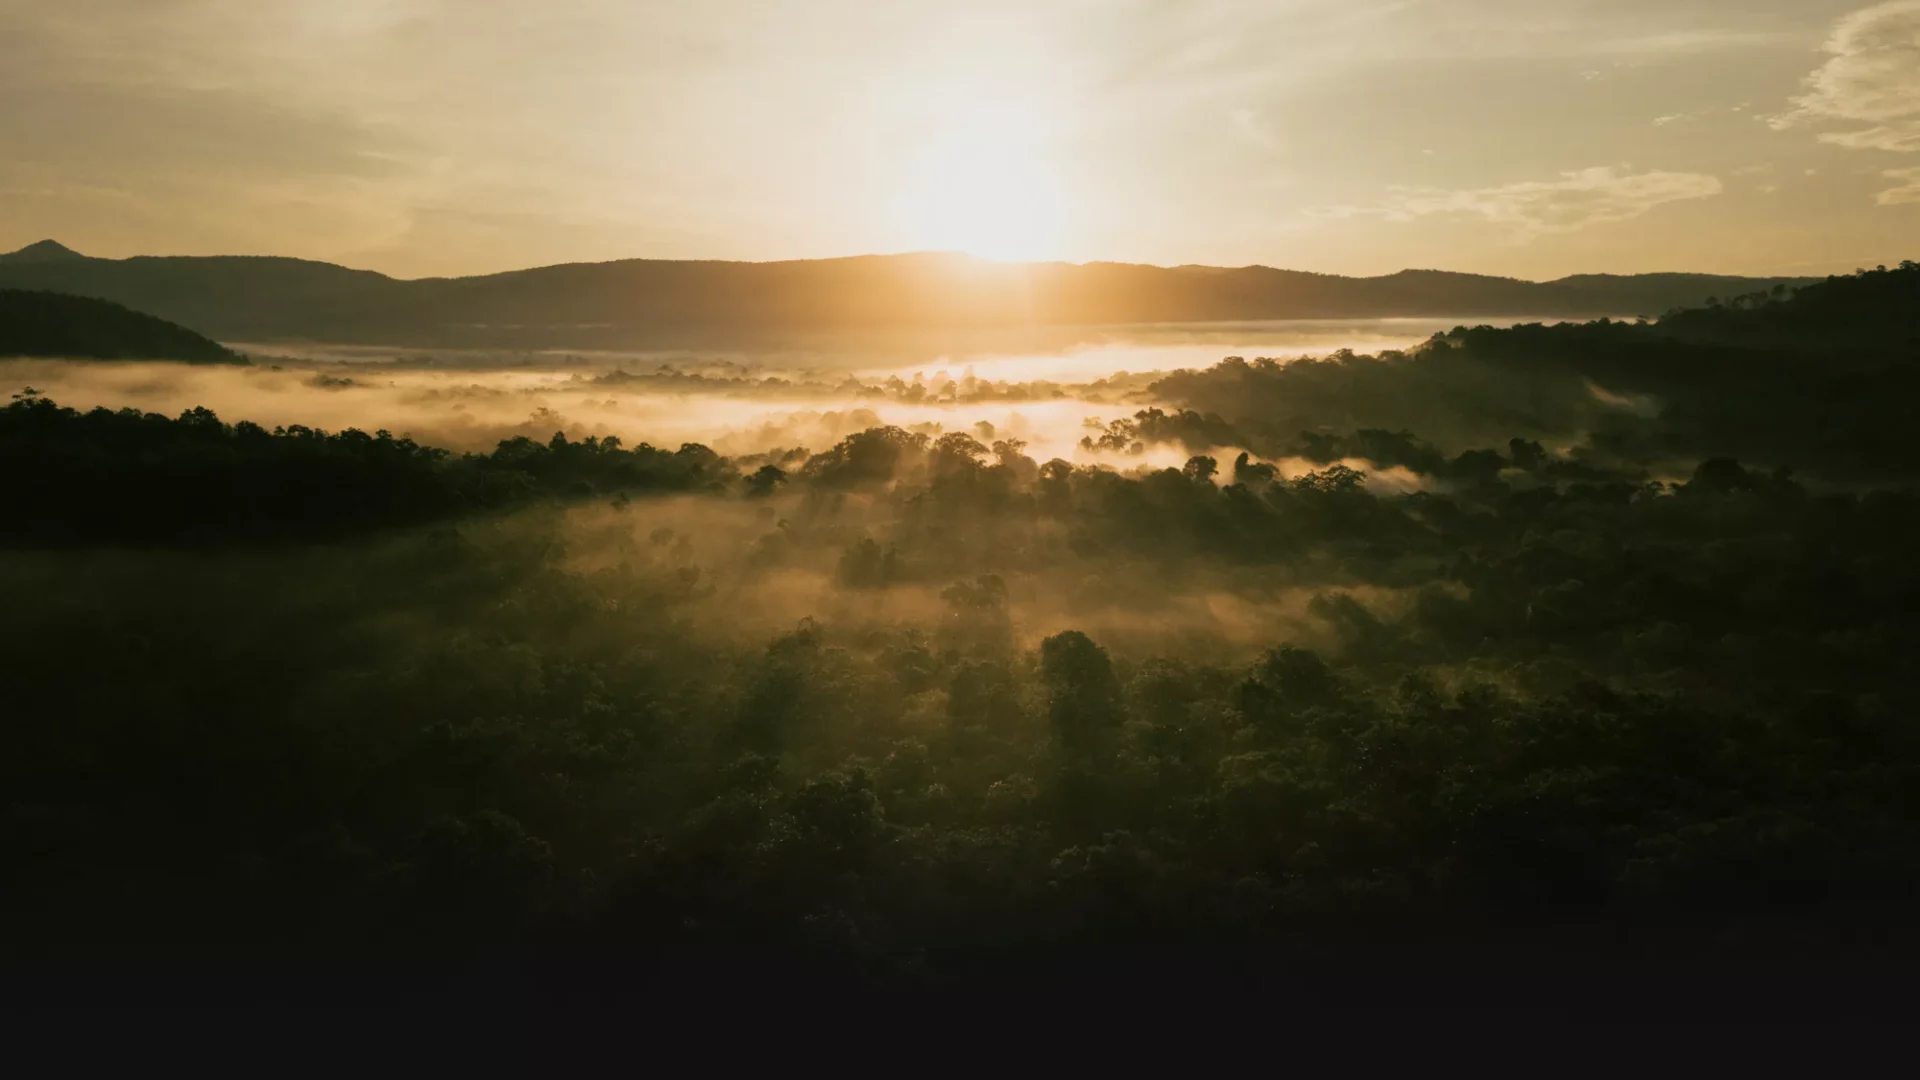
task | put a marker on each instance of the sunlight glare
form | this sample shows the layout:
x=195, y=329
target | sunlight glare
x=983, y=185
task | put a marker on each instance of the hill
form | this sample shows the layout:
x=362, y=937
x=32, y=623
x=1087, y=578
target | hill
x=53, y=324
x=1876, y=310
x=638, y=303
x=1820, y=380
x=46, y=251
x=1569, y=680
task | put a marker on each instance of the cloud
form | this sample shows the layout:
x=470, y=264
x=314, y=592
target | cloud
x=1699, y=114
x=1255, y=130
x=1906, y=194
x=1872, y=78
x=1574, y=201
x=1684, y=117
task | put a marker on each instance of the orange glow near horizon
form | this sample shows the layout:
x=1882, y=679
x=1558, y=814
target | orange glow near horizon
x=1331, y=136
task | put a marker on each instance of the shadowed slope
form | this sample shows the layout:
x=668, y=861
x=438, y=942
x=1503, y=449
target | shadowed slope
x=52, y=324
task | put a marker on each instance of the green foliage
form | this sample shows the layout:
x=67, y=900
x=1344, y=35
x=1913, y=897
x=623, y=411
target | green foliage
x=1820, y=380
x=127, y=477
x=1541, y=688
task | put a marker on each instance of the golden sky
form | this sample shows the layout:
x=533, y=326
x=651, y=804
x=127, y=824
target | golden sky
x=428, y=137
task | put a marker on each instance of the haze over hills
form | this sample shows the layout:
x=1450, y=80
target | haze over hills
x=641, y=303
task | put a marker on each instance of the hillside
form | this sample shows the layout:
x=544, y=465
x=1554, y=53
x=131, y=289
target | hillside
x=1877, y=309
x=57, y=325
x=1820, y=381
x=1505, y=663
x=636, y=303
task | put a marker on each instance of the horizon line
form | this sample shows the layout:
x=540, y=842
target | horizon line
x=920, y=254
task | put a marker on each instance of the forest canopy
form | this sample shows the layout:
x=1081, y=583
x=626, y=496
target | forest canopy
x=1598, y=625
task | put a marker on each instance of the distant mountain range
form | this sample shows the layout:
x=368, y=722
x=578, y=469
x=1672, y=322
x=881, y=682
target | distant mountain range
x=77, y=327
x=653, y=303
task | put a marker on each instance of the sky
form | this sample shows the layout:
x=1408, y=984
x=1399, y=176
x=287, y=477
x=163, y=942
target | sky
x=1533, y=138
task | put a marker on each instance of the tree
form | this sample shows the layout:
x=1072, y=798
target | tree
x=1251, y=473
x=1201, y=470
x=956, y=454
x=1720, y=475
x=1083, y=695
x=765, y=481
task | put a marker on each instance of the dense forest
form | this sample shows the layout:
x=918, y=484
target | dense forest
x=1546, y=630
x=77, y=327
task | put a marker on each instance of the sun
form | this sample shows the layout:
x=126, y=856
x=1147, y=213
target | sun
x=983, y=183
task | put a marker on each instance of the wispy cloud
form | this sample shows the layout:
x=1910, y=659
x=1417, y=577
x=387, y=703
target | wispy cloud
x=1682, y=117
x=1907, y=193
x=1255, y=130
x=1871, y=77
x=1699, y=114
x=1576, y=200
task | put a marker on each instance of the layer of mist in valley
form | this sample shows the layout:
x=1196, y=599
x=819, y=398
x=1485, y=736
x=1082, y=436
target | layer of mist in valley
x=1233, y=634
x=782, y=407
x=546, y=510
x=740, y=403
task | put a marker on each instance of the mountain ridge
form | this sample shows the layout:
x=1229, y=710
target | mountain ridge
x=42, y=251
x=656, y=302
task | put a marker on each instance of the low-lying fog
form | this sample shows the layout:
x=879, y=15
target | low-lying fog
x=737, y=403
x=746, y=570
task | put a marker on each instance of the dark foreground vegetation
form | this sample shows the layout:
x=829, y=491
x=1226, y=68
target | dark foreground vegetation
x=922, y=707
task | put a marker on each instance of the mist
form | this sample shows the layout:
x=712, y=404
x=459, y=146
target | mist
x=525, y=506
x=889, y=663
